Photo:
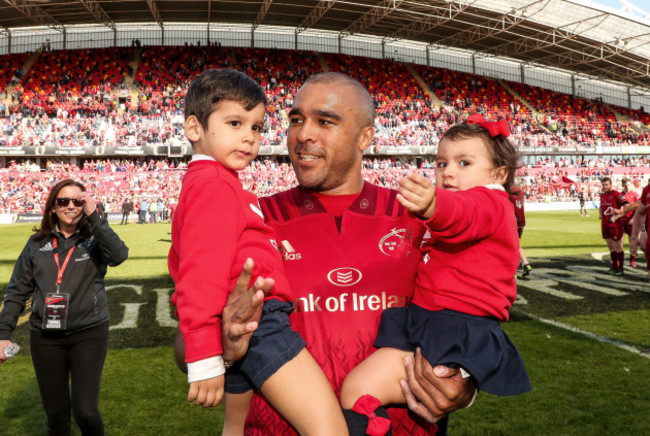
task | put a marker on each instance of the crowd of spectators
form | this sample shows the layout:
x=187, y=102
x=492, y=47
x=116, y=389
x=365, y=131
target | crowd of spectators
x=81, y=97
x=24, y=186
x=74, y=98
x=580, y=120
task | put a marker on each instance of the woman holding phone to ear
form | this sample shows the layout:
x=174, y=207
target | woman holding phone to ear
x=62, y=269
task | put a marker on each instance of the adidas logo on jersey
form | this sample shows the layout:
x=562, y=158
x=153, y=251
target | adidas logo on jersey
x=46, y=247
x=288, y=252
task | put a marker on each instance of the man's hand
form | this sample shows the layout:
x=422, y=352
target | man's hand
x=242, y=312
x=206, y=393
x=417, y=194
x=434, y=392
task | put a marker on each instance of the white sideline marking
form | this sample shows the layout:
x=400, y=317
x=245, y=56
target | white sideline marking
x=599, y=256
x=590, y=335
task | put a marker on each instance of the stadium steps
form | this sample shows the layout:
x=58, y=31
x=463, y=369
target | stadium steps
x=538, y=116
x=434, y=98
x=26, y=67
x=130, y=80
x=637, y=127
x=323, y=62
x=621, y=118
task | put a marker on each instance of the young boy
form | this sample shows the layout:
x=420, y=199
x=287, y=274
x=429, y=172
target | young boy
x=217, y=226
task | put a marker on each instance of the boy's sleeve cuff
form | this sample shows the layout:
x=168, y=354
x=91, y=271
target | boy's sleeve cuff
x=205, y=369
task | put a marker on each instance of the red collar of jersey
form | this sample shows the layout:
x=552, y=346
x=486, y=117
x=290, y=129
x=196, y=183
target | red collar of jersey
x=365, y=203
x=212, y=162
x=336, y=204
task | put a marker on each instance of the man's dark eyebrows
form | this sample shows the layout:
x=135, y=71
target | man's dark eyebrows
x=295, y=111
x=327, y=114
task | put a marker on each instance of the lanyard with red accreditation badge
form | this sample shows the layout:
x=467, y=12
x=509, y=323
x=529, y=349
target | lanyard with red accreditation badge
x=56, y=303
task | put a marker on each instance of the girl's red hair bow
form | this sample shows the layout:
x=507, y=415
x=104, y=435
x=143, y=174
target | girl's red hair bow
x=494, y=128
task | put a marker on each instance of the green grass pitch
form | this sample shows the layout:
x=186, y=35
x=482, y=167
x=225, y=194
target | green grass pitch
x=579, y=330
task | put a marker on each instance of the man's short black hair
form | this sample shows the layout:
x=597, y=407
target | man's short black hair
x=213, y=86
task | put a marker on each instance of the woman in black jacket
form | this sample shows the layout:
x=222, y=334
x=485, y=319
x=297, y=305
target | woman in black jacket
x=62, y=268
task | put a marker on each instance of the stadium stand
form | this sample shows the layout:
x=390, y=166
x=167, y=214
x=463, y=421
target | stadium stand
x=50, y=108
x=11, y=69
x=24, y=185
x=68, y=98
x=467, y=92
x=72, y=81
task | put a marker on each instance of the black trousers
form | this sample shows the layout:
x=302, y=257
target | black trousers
x=68, y=369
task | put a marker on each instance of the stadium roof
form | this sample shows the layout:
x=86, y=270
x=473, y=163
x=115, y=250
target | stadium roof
x=574, y=35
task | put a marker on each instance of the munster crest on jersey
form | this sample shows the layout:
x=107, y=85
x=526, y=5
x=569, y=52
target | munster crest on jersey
x=396, y=243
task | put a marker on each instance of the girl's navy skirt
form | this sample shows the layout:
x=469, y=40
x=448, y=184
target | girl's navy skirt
x=450, y=338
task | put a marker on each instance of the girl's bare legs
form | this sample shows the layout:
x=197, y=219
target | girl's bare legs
x=379, y=375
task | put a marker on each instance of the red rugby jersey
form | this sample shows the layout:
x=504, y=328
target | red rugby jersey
x=645, y=200
x=341, y=281
x=609, y=201
x=216, y=226
x=516, y=197
x=631, y=197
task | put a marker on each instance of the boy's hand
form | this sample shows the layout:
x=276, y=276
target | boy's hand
x=206, y=393
x=418, y=195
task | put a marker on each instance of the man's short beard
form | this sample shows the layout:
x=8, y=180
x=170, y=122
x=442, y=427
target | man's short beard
x=316, y=188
